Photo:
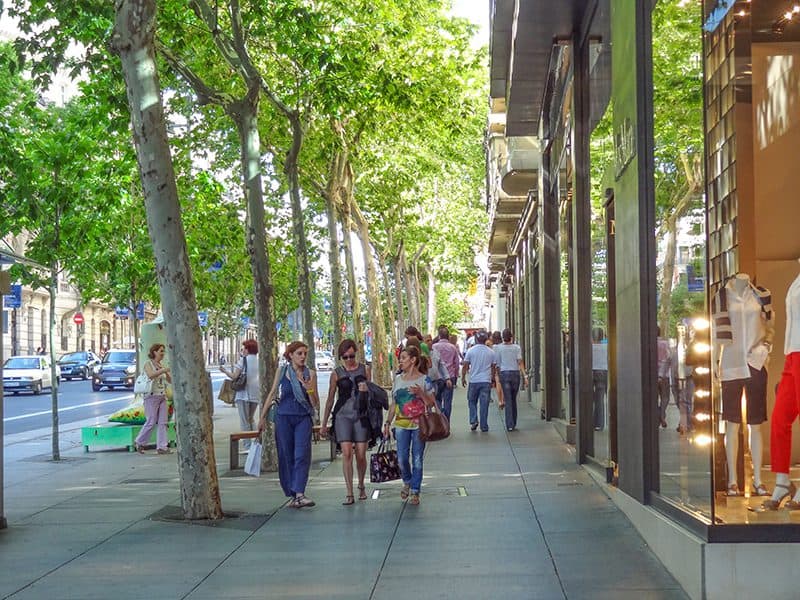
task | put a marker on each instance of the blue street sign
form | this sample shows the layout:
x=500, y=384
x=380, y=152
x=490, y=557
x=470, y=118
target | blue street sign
x=245, y=322
x=14, y=299
x=278, y=326
x=215, y=266
x=140, y=311
x=122, y=312
x=202, y=317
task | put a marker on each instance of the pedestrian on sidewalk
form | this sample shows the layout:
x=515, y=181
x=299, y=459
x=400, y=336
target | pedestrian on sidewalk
x=511, y=372
x=247, y=399
x=297, y=399
x=479, y=362
x=412, y=392
x=495, y=339
x=155, y=404
x=448, y=354
x=350, y=426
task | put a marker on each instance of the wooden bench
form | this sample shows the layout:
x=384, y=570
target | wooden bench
x=249, y=435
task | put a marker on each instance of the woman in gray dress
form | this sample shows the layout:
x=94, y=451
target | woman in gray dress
x=350, y=426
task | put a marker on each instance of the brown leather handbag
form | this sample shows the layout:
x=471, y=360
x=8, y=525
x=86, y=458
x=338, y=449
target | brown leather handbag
x=433, y=426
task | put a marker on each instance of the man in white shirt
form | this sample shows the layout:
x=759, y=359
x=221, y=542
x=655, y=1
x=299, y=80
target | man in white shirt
x=479, y=362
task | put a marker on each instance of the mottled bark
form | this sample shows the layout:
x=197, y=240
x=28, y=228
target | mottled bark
x=133, y=40
x=431, y=324
x=334, y=186
x=245, y=115
x=386, y=297
x=402, y=320
x=352, y=284
x=380, y=357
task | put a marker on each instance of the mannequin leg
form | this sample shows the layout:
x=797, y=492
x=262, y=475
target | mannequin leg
x=756, y=451
x=731, y=450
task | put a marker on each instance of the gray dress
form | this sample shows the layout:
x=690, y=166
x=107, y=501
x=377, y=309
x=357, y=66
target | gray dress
x=347, y=425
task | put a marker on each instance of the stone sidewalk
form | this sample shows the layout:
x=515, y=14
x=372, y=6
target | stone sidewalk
x=502, y=515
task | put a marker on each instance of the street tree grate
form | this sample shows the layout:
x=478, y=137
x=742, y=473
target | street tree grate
x=232, y=520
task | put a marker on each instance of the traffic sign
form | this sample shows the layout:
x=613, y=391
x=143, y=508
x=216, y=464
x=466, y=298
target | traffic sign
x=14, y=299
x=78, y=318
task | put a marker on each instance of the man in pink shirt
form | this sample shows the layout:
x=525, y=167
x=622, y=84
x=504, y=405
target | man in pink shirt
x=448, y=353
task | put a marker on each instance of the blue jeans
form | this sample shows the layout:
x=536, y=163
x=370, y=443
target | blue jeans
x=479, y=393
x=408, y=443
x=444, y=396
x=293, y=441
x=509, y=381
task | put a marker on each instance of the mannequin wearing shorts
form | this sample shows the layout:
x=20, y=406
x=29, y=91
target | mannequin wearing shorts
x=787, y=405
x=742, y=333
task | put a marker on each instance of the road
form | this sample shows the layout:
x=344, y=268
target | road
x=77, y=402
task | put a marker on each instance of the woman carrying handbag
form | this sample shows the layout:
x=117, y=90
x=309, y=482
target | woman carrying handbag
x=412, y=394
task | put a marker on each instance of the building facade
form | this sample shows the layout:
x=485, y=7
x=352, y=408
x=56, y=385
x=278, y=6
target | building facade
x=575, y=262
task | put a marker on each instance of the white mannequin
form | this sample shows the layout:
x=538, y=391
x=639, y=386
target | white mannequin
x=740, y=285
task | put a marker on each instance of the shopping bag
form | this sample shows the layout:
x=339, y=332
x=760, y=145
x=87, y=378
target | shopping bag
x=252, y=465
x=226, y=393
x=383, y=464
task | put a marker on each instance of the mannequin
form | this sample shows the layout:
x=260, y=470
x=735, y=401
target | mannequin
x=742, y=335
x=787, y=404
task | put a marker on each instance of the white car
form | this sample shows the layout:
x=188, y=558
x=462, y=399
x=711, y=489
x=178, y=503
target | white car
x=324, y=361
x=28, y=374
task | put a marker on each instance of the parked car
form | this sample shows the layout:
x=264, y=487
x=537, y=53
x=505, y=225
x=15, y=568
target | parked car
x=27, y=374
x=78, y=365
x=118, y=369
x=324, y=361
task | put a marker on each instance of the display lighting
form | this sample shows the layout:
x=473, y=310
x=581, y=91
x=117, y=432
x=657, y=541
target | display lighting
x=702, y=439
x=701, y=347
x=698, y=358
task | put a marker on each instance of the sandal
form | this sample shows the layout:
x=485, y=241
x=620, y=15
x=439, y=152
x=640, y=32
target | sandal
x=760, y=490
x=406, y=489
x=776, y=504
x=139, y=448
x=348, y=500
x=414, y=499
x=733, y=490
x=302, y=501
x=362, y=492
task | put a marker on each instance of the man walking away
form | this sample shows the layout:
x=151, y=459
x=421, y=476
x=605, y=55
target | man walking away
x=479, y=362
x=448, y=354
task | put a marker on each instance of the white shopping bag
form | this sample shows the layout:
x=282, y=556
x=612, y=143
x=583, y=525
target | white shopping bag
x=252, y=465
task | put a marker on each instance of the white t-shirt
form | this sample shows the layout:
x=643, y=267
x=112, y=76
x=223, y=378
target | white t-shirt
x=792, y=343
x=480, y=359
x=508, y=356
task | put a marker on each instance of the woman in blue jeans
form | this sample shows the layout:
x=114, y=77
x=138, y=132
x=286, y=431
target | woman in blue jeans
x=297, y=402
x=412, y=392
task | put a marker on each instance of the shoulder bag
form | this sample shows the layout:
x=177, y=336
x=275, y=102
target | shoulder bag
x=433, y=426
x=240, y=381
x=143, y=384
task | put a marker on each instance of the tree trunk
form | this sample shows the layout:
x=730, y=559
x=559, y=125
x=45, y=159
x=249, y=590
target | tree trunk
x=380, y=356
x=56, y=451
x=411, y=292
x=387, y=297
x=133, y=39
x=431, y=301
x=352, y=285
x=334, y=186
x=402, y=320
x=299, y=235
x=245, y=115
x=667, y=276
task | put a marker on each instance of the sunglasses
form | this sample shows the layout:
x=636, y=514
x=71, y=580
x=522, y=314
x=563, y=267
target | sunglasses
x=348, y=356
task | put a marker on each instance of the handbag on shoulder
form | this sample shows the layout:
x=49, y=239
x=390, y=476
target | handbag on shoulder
x=433, y=426
x=240, y=381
